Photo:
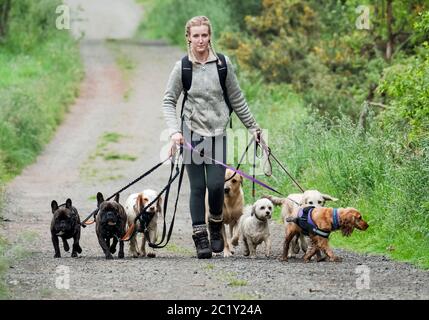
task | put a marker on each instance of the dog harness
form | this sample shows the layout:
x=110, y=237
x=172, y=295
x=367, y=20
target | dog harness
x=308, y=226
x=145, y=218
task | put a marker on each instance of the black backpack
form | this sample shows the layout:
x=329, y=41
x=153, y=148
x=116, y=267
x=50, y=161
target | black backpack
x=222, y=71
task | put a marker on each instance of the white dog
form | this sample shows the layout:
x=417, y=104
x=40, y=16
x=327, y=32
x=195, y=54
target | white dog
x=253, y=227
x=133, y=206
x=290, y=206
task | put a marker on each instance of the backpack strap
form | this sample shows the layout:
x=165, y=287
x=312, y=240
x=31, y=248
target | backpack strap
x=222, y=71
x=186, y=79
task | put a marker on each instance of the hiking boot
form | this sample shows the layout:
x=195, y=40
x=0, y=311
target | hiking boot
x=216, y=239
x=201, y=240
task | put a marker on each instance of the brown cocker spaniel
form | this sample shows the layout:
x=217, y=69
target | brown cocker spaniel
x=318, y=223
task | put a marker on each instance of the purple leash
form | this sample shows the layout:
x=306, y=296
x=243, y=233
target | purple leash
x=245, y=175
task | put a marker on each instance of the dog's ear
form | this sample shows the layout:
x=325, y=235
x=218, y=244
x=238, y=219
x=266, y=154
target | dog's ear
x=346, y=222
x=117, y=197
x=139, y=203
x=327, y=197
x=68, y=203
x=100, y=199
x=159, y=205
x=253, y=212
x=54, y=206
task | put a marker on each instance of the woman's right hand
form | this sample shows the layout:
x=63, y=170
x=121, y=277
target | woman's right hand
x=176, y=140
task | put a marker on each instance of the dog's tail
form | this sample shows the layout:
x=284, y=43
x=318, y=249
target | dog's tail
x=276, y=201
x=292, y=219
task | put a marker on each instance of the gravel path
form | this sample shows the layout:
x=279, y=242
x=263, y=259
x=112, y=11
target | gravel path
x=72, y=165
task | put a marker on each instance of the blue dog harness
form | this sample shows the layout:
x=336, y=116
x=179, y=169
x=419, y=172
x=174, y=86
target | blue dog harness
x=306, y=223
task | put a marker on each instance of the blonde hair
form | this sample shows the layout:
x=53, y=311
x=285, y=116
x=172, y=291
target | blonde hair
x=196, y=22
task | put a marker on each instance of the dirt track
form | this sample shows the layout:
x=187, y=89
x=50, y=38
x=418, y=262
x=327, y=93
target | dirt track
x=73, y=166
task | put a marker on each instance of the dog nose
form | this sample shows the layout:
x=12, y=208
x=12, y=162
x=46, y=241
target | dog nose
x=226, y=190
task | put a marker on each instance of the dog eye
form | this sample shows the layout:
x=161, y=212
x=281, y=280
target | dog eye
x=311, y=202
x=262, y=208
x=319, y=202
x=234, y=181
x=270, y=208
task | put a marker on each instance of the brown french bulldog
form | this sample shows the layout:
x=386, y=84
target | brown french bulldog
x=65, y=224
x=111, y=222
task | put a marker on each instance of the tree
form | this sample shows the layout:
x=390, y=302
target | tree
x=4, y=15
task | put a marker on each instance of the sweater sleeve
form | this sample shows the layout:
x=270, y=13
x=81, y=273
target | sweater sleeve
x=171, y=96
x=237, y=99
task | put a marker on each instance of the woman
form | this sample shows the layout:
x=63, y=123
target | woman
x=203, y=125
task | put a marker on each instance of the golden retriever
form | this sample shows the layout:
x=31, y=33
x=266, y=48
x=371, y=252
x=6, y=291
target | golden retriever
x=232, y=208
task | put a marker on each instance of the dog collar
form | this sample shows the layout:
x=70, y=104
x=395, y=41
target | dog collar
x=262, y=220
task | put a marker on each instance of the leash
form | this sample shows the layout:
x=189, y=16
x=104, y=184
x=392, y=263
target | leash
x=132, y=229
x=84, y=223
x=269, y=154
x=245, y=175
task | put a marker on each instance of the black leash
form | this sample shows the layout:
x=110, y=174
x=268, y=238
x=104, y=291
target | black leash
x=270, y=154
x=124, y=188
x=242, y=158
x=166, y=190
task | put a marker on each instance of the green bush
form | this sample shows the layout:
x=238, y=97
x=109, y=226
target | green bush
x=406, y=85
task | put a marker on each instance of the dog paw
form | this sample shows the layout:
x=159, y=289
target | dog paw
x=121, y=255
x=78, y=249
x=57, y=255
x=109, y=257
x=151, y=255
x=74, y=254
x=336, y=259
x=112, y=250
x=227, y=254
x=284, y=259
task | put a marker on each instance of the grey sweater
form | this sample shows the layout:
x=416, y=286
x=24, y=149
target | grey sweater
x=205, y=110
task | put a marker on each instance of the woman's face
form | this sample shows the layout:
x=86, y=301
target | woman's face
x=199, y=38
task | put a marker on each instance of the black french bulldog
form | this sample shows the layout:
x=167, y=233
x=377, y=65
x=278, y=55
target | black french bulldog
x=111, y=222
x=65, y=224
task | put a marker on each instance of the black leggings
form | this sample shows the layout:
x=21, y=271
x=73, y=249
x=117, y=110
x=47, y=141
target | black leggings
x=204, y=174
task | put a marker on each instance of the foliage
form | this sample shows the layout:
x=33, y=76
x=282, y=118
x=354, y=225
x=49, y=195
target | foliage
x=166, y=19
x=318, y=48
x=406, y=85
